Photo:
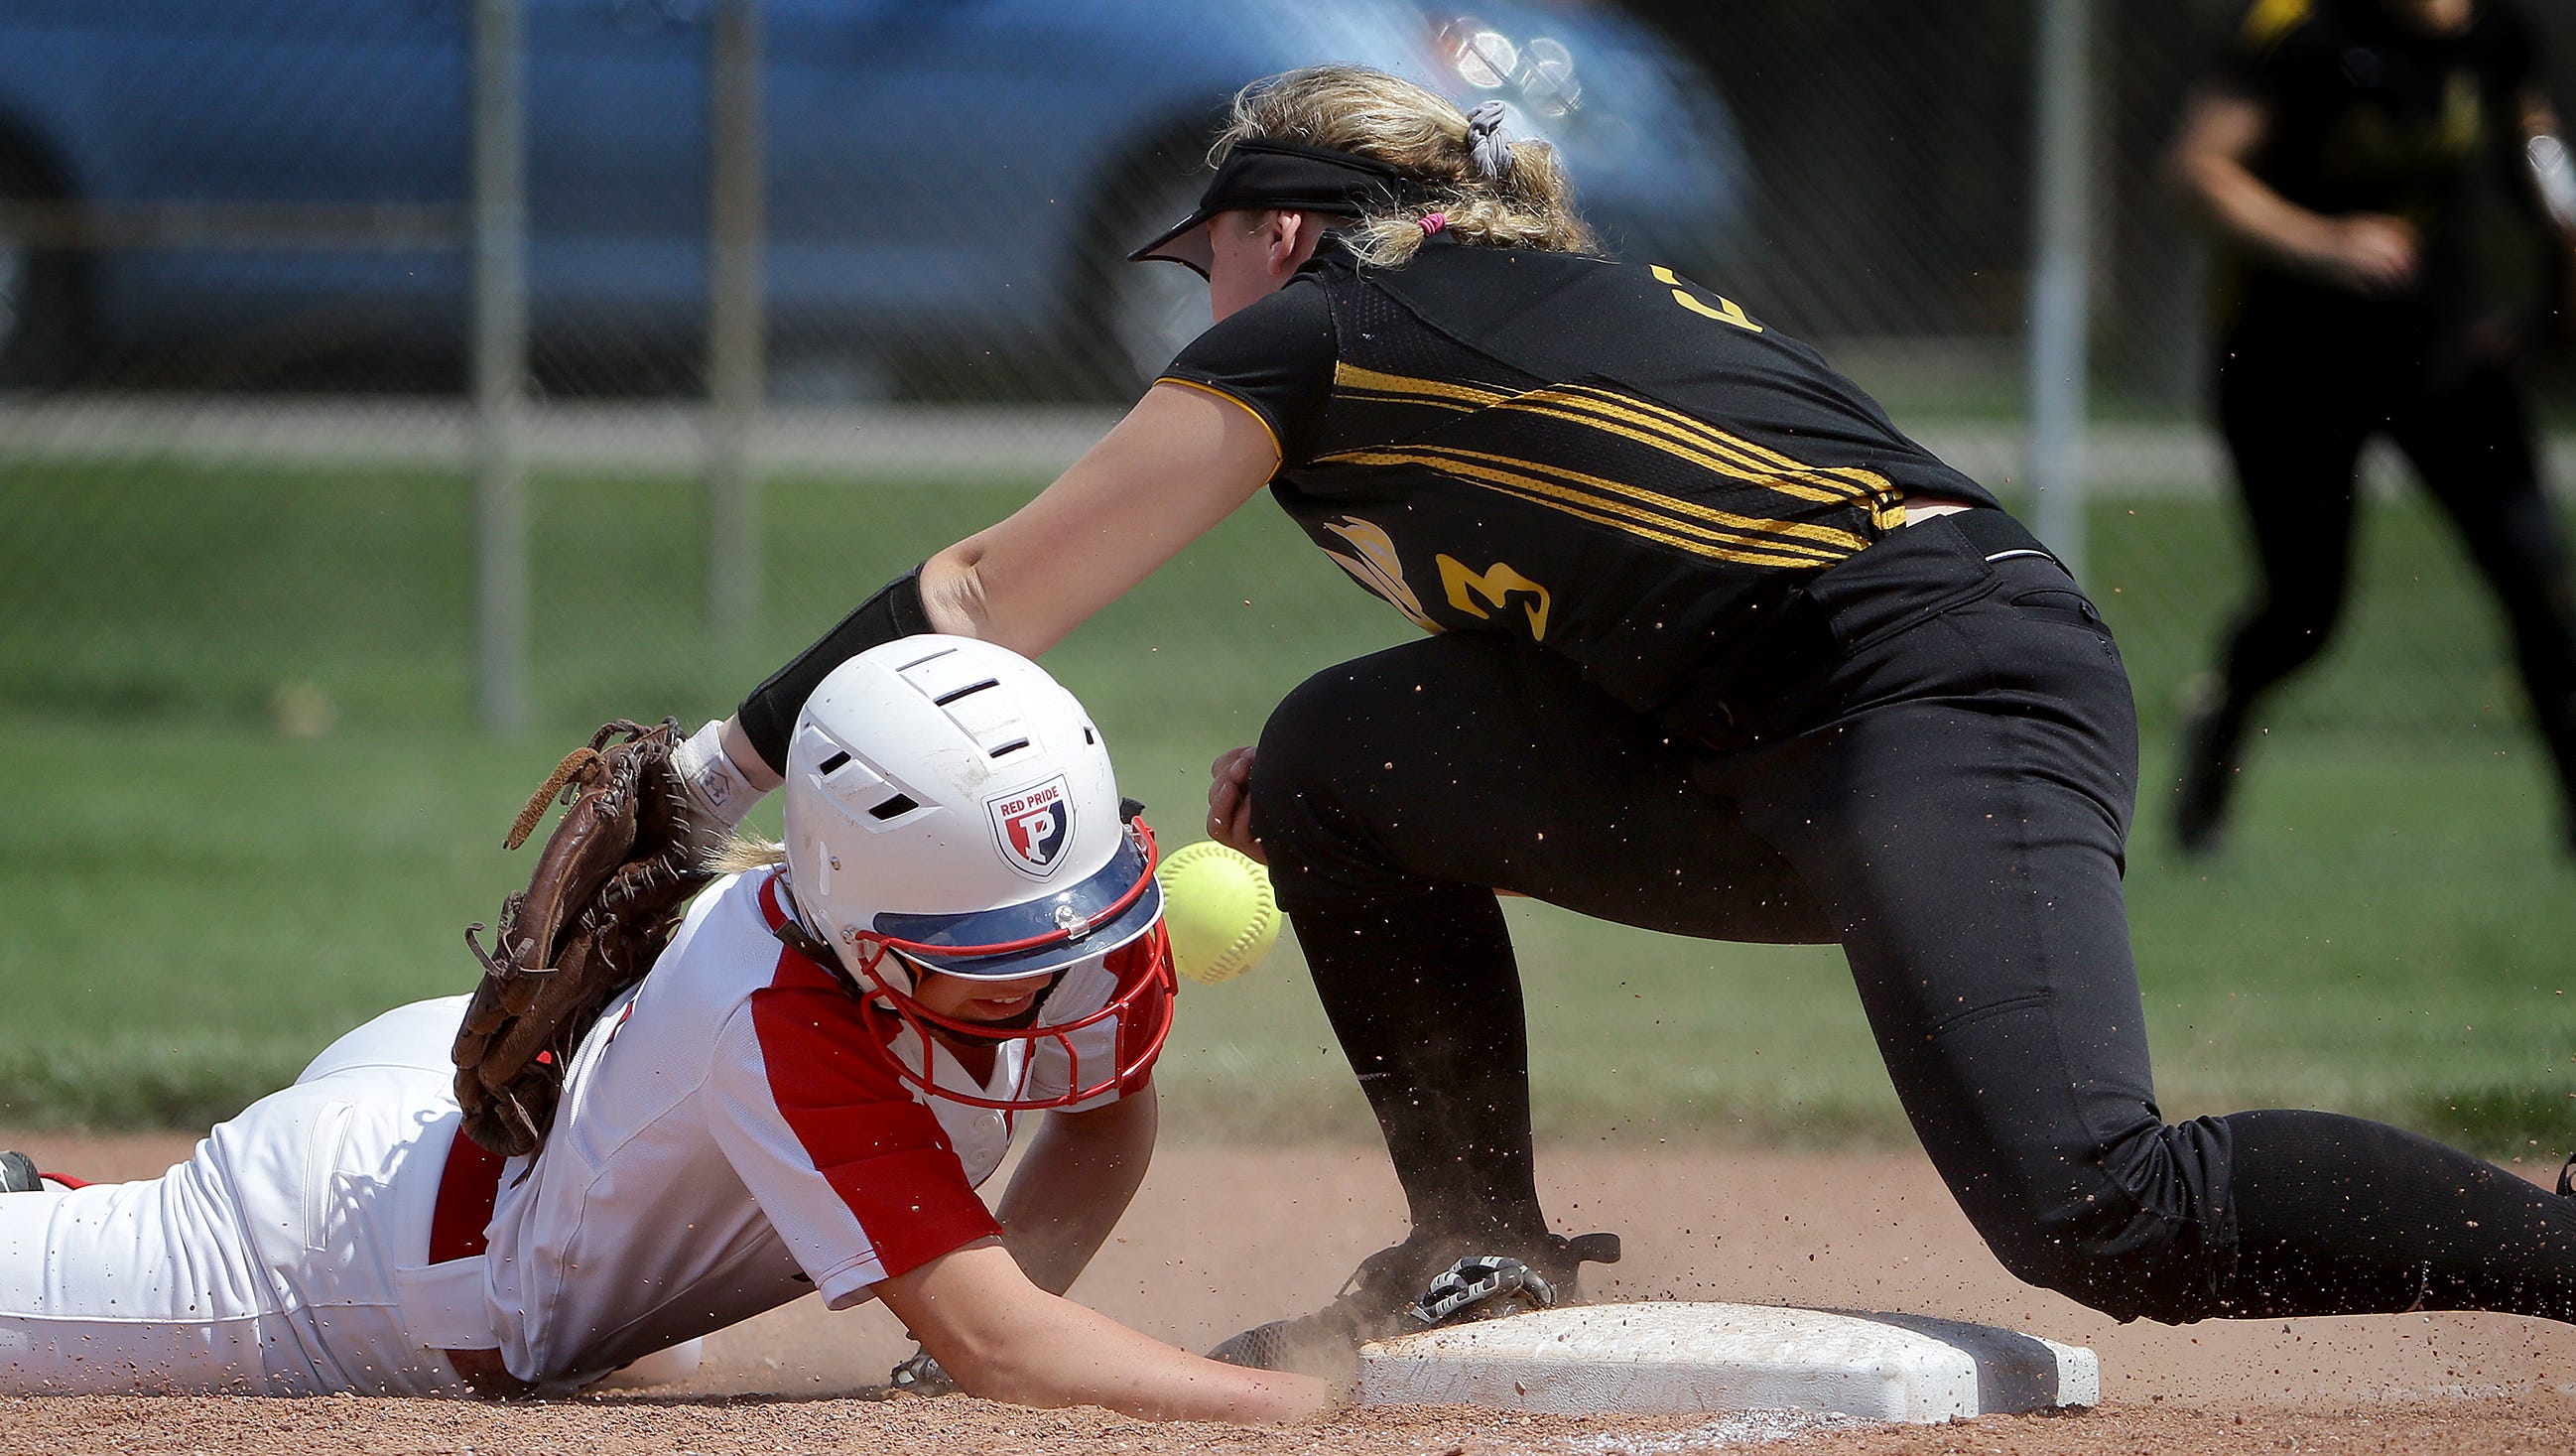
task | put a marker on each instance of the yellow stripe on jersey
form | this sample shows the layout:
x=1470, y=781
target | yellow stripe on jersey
x=1504, y=485
x=1828, y=541
x=2270, y=20
x=1404, y=389
x=1647, y=423
x=1704, y=445
x=1751, y=543
x=1868, y=480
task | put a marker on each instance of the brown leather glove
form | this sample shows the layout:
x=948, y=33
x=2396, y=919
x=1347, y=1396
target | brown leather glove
x=607, y=894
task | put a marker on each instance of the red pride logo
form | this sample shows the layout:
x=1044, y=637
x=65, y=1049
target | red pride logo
x=1032, y=826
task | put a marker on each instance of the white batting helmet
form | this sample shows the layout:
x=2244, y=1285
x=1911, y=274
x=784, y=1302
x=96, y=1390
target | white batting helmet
x=950, y=808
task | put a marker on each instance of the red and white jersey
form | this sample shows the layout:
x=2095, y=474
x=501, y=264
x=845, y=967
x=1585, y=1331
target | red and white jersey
x=729, y=1139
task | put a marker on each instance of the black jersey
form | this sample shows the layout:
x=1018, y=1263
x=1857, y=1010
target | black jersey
x=1602, y=459
x=2365, y=114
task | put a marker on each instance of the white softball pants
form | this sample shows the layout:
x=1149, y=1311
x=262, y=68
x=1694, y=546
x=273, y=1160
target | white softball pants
x=268, y=1263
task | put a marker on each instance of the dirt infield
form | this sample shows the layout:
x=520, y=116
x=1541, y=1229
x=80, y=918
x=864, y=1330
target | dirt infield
x=1222, y=1237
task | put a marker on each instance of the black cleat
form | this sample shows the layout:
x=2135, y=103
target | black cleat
x=1481, y=1287
x=18, y=1174
x=1383, y=1297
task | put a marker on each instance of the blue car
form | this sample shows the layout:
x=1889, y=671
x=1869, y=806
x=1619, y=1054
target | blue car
x=215, y=191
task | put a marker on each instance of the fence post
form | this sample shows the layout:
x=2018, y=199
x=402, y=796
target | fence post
x=500, y=361
x=736, y=322
x=2061, y=247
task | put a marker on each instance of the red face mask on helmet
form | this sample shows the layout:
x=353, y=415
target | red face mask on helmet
x=951, y=809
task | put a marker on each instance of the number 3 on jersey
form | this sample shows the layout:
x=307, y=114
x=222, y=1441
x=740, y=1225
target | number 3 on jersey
x=1727, y=310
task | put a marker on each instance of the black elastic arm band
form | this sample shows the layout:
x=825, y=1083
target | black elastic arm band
x=768, y=715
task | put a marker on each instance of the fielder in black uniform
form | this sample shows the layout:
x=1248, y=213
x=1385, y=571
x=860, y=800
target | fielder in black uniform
x=1715, y=649
x=2363, y=160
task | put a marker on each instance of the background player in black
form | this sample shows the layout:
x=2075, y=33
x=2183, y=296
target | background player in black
x=1720, y=652
x=2362, y=160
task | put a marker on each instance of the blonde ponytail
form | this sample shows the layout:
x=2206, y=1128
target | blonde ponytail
x=743, y=853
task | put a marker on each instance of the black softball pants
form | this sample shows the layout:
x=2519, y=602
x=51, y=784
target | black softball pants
x=2296, y=415
x=1946, y=796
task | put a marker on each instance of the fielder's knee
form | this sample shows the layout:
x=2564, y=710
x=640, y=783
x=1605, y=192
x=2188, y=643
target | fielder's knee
x=2127, y=1274
x=2140, y=1231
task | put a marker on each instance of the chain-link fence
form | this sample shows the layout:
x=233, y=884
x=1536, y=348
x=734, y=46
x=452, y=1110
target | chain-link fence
x=238, y=249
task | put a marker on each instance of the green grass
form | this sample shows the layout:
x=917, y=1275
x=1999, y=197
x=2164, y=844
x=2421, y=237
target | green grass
x=253, y=807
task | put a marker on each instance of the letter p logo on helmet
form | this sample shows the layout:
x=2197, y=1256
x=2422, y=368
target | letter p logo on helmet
x=1033, y=826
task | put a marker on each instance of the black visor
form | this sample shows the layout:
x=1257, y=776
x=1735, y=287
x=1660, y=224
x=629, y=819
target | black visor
x=1260, y=175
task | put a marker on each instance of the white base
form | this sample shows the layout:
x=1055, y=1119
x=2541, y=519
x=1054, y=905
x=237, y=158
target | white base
x=1668, y=1358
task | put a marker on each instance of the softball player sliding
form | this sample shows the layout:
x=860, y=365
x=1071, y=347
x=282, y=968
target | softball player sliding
x=802, y=1096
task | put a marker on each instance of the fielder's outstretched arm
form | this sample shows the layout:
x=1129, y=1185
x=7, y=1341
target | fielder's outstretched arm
x=1181, y=461
x=1001, y=1337
x=1178, y=463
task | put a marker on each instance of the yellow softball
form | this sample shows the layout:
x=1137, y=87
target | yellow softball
x=1218, y=908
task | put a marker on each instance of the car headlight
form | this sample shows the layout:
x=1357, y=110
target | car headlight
x=1540, y=70
x=1548, y=84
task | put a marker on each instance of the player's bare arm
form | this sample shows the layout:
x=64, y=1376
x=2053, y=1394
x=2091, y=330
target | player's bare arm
x=1074, y=1184
x=1002, y=1337
x=2220, y=133
x=1178, y=463
x=1181, y=461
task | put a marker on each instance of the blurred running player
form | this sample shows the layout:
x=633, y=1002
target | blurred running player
x=2358, y=157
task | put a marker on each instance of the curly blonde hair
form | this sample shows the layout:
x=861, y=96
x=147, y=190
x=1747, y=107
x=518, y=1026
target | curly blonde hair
x=1372, y=114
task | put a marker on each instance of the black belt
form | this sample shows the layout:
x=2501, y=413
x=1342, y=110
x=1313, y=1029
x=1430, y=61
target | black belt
x=1996, y=535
